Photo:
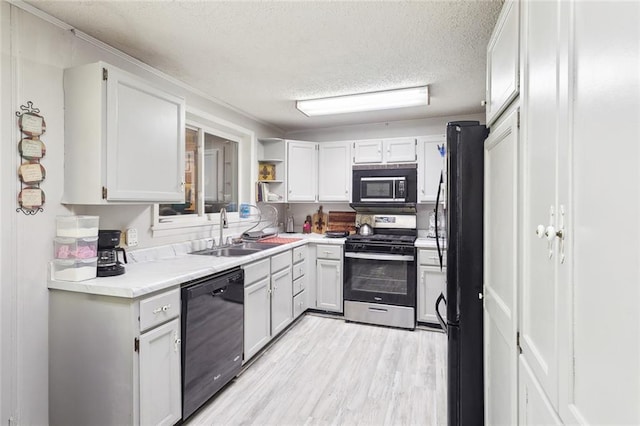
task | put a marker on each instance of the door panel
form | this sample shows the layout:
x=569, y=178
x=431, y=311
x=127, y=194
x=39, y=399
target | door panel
x=539, y=337
x=257, y=317
x=500, y=271
x=281, y=300
x=535, y=408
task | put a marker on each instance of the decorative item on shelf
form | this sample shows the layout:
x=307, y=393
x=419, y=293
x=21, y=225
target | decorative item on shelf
x=267, y=171
x=306, y=228
x=319, y=223
x=30, y=172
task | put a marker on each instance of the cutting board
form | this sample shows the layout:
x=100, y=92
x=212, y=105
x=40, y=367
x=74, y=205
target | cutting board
x=319, y=222
x=341, y=221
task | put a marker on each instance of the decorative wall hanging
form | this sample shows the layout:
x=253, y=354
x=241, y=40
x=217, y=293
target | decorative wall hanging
x=30, y=172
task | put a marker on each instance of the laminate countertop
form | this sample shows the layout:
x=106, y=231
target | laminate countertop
x=170, y=266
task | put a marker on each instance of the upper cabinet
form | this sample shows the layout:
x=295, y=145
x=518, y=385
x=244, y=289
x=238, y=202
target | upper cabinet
x=334, y=171
x=430, y=166
x=396, y=150
x=503, y=61
x=124, y=139
x=302, y=175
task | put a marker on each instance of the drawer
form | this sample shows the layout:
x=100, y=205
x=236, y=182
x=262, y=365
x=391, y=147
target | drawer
x=299, y=269
x=299, y=304
x=280, y=261
x=329, y=252
x=256, y=271
x=299, y=254
x=158, y=309
x=430, y=257
x=299, y=284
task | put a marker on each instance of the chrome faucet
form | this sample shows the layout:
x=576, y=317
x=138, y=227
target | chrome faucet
x=223, y=224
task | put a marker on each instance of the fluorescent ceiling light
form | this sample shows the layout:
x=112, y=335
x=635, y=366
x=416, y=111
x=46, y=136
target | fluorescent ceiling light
x=388, y=99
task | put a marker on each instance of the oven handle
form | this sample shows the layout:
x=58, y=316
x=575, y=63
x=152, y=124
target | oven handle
x=440, y=319
x=370, y=256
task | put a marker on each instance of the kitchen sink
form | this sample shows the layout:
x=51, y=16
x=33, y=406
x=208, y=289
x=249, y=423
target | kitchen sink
x=243, y=249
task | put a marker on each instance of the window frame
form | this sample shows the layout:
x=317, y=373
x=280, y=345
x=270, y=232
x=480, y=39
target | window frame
x=205, y=123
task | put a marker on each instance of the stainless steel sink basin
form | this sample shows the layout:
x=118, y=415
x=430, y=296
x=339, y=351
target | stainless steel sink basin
x=236, y=250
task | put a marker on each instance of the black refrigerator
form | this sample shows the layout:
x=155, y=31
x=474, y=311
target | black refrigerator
x=463, y=325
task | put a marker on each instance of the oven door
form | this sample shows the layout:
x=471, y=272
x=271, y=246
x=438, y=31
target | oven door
x=380, y=278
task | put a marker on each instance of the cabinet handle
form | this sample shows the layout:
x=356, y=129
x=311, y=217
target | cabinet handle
x=422, y=190
x=176, y=341
x=289, y=191
x=164, y=308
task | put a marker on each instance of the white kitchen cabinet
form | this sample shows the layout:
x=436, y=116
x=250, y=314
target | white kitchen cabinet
x=281, y=301
x=500, y=270
x=534, y=406
x=431, y=282
x=329, y=278
x=160, y=396
x=273, y=151
x=300, y=278
x=503, y=61
x=334, y=171
x=257, y=316
x=369, y=151
x=430, y=165
x=395, y=150
x=302, y=174
x=124, y=139
x=107, y=352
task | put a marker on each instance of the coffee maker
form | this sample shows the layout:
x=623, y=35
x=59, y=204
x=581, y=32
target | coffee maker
x=109, y=264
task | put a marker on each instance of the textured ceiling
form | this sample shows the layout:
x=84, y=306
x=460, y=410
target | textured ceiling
x=261, y=56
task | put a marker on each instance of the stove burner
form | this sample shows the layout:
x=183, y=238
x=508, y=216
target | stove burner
x=383, y=238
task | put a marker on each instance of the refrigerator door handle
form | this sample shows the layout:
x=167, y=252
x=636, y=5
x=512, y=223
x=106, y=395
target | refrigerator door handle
x=443, y=324
x=436, y=219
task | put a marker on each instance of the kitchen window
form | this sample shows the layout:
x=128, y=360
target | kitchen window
x=210, y=180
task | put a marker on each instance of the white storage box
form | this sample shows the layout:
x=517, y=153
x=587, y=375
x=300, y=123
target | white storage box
x=77, y=226
x=74, y=269
x=75, y=248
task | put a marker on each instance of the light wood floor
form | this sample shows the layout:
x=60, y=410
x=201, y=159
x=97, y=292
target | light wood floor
x=327, y=371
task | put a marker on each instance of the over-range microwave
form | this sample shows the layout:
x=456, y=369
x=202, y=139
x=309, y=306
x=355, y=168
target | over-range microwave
x=385, y=188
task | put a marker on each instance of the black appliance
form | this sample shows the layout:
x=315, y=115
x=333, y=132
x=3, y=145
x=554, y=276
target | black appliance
x=380, y=273
x=385, y=189
x=212, y=335
x=109, y=263
x=465, y=179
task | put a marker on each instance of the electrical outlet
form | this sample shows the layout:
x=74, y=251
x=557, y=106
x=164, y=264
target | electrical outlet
x=132, y=237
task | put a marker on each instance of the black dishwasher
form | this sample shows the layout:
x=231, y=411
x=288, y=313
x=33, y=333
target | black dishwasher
x=212, y=336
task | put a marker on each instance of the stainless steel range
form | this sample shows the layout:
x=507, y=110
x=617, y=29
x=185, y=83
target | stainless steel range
x=380, y=273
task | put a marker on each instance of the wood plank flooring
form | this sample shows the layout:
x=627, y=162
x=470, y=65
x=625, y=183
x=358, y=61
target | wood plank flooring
x=326, y=371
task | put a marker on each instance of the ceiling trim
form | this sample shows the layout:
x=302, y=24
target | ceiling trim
x=110, y=49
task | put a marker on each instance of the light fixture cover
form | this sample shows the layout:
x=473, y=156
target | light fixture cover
x=373, y=101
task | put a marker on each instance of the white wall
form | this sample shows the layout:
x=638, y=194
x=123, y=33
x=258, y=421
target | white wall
x=34, y=54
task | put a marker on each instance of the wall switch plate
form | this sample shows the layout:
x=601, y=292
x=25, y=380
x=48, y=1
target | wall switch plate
x=132, y=237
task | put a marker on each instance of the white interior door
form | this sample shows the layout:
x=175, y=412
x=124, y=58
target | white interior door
x=601, y=347
x=539, y=313
x=501, y=272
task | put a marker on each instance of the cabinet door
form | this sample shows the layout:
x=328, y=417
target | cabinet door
x=431, y=282
x=301, y=171
x=399, y=150
x=160, y=386
x=367, y=151
x=503, y=61
x=534, y=407
x=281, y=301
x=329, y=285
x=500, y=272
x=257, y=317
x=334, y=171
x=430, y=166
x=143, y=123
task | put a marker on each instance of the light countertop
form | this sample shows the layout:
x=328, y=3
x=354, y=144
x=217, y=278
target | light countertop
x=173, y=267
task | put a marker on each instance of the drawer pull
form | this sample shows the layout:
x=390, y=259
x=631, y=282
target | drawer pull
x=378, y=310
x=164, y=308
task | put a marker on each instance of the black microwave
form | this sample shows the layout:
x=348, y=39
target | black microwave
x=384, y=188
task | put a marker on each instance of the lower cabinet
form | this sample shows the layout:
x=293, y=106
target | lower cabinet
x=534, y=406
x=329, y=278
x=114, y=361
x=160, y=375
x=431, y=282
x=268, y=300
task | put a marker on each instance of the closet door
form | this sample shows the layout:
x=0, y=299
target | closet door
x=501, y=272
x=540, y=126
